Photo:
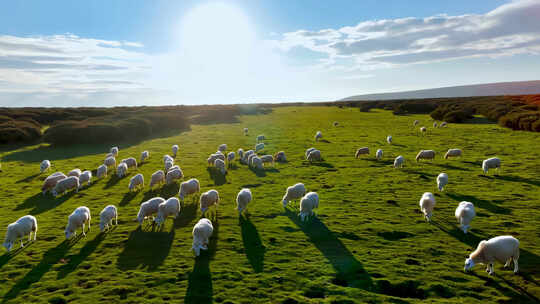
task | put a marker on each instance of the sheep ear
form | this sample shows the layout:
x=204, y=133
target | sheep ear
x=482, y=244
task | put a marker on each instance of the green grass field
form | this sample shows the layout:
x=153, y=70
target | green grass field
x=368, y=243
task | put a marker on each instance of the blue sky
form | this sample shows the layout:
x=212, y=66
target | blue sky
x=71, y=53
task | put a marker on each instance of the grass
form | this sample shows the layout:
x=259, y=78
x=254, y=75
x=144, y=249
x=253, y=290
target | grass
x=368, y=243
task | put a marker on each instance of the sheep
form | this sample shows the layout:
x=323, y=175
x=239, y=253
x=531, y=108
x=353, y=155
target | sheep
x=220, y=165
x=389, y=139
x=191, y=186
x=452, y=153
x=240, y=153
x=207, y=199
x=44, y=166
x=78, y=219
x=491, y=163
x=464, y=214
x=416, y=122
x=335, y=123
x=427, y=203
x=309, y=202
x=170, y=207
x=222, y=148
x=309, y=151
x=136, y=182
x=398, y=162
x=267, y=159
x=144, y=155
x=106, y=217
x=250, y=159
x=504, y=249
x=75, y=172
x=121, y=170
x=19, y=229
x=257, y=163
x=423, y=130
x=294, y=192
x=157, y=177
x=259, y=147
x=109, y=155
x=280, y=157
x=425, y=154
x=219, y=153
x=246, y=131
x=167, y=158
x=114, y=151
x=101, y=171
x=230, y=157
x=70, y=182
x=435, y=124
x=202, y=231
x=442, y=180
x=443, y=124
x=243, y=198
x=173, y=175
x=130, y=162
x=174, y=150
x=168, y=165
x=215, y=156
x=318, y=135
x=148, y=208
x=379, y=154
x=260, y=138
x=314, y=155
x=361, y=151
x=110, y=161
x=246, y=156
x=86, y=176
x=51, y=181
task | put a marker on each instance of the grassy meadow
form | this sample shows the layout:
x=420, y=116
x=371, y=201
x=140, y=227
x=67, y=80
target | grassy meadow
x=368, y=242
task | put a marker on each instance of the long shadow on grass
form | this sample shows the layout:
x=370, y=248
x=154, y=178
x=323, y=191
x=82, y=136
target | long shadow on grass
x=127, y=198
x=258, y=172
x=200, y=288
x=11, y=254
x=518, y=179
x=218, y=178
x=113, y=180
x=252, y=244
x=322, y=164
x=484, y=204
x=145, y=249
x=42, y=203
x=28, y=178
x=187, y=214
x=451, y=167
x=76, y=260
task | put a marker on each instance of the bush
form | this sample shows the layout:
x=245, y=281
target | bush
x=18, y=131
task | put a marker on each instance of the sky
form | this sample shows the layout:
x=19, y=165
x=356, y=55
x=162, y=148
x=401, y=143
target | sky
x=134, y=52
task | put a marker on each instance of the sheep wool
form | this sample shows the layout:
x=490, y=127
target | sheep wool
x=491, y=163
x=243, y=199
x=63, y=185
x=452, y=153
x=121, y=170
x=379, y=154
x=78, y=219
x=427, y=203
x=144, y=155
x=44, y=166
x=503, y=249
x=75, y=172
x=309, y=202
x=425, y=154
x=136, y=181
x=174, y=149
x=19, y=229
x=280, y=157
x=398, y=162
x=106, y=217
x=101, y=171
x=157, y=177
x=361, y=151
x=294, y=192
x=170, y=207
x=148, y=208
x=51, y=180
x=202, y=231
x=208, y=199
x=442, y=180
x=191, y=186
x=318, y=135
x=464, y=214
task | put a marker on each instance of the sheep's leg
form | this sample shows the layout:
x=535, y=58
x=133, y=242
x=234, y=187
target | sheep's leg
x=507, y=262
x=30, y=236
x=83, y=233
x=116, y=219
x=22, y=245
x=516, y=268
x=35, y=234
x=89, y=224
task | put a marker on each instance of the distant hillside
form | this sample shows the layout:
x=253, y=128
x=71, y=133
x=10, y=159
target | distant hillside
x=487, y=89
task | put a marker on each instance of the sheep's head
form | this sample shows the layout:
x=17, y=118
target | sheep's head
x=101, y=226
x=54, y=193
x=196, y=249
x=469, y=264
x=68, y=232
x=8, y=244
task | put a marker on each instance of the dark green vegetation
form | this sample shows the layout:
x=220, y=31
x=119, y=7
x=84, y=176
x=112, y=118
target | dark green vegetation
x=368, y=243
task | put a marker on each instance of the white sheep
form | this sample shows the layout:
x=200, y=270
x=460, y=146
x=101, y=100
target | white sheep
x=173, y=174
x=110, y=161
x=245, y=131
x=170, y=207
x=222, y=148
x=361, y=151
x=63, y=185
x=230, y=157
x=267, y=159
x=416, y=122
x=75, y=172
x=309, y=151
x=293, y=193
x=86, y=176
x=240, y=153
x=109, y=155
x=398, y=162
x=280, y=157
x=464, y=214
x=78, y=219
x=207, y=199
x=19, y=229
x=44, y=166
x=215, y=156
x=106, y=217
x=220, y=165
x=335, y=123
x=318, y=135
x=379, y=154
x=148, y=208
x=157, y=177
x=202, y=231
x=51, y=181
x=423, y=130
x=260, y=138
x=250, y=159
x=425, y=154
x=191, y=186
x=389, y=139
x=167, y=158
x=501, y=248
x=136, y=182
x=168, y=165
x=435, y=124
x=452, y=153
x=130, y=162
x=259, y=147
x=427, y=203
x=144, y=155
x=314, y=155
x=243, y=198
x=491, y=163
x=442, y=180
x=443, y=124
x=246, y=156
x=101, y=171
x=121, y=170
x=114, y=151
x=309, y=202
x=257, y=163
x=174, y=150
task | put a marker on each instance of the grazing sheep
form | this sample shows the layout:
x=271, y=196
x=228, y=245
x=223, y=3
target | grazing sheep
x=245, y=131
x=427, y=203
x=280, y=157
x=443, y=124
x=389, y=139
x=259, y=147
x=130, y=162
x=109, y=155
x=398, y=162
x=220, y=153
x=230, y=157
x=222, y=148
x=101, y=171
x=70, y=182
x=309, y=202
x=335, y=123
x=110, y=161
x=170, y=207
x=250, y=159
x=44, y=166
x=260, y=138
x=167, y=158
x=174, y=150
x=452, y=153
x=501, y=248
x=157, y=177
x=240, y=153
x=293, y=193
x=491, y=163
x=75, y=172
x=136, y=182
x=144, y=155
x=423, y=130
x=318, y=135
x=243, y=199
x=51, y=181
x=257, y=163
x=148, y=208
x=114, y=151
x=309, y=151
x=220, y=165
x=425, y=154
x=78, y=219
x=121, y=170
x=202, y=231
x=106, y=217
x=173, y=174
x=416, y=122
x=19, y=229
x=464, y=215
x=208, y=199
x=267, y=159
x=247, y=154
x=362, y=151
x=442, y=180
x=213, y=158
x=379, y=154
x=435, y=124
x=191, y=186
x=168, y=166
x=314, y=155
x=86, y=176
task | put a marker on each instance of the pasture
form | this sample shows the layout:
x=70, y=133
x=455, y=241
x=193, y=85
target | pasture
x=368, y=243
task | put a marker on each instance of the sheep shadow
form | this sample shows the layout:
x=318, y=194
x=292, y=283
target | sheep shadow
x=325, y=141
x=76, y=260
x=518, y=179
x=218, y=178
x=420, y=173
x=145, y=249
x=258, y=172
x=43, y=203
x=113, y=180
x=187, y=214
x=474, y=163
x=252, y=243
x=271, y=170
x=28, y=178
x=11, y=254
x=127, y=198
x=516, y=293
x=451, y=167
x=380, y=163
x=484, y=204
x=200, y=289
x=322, y=164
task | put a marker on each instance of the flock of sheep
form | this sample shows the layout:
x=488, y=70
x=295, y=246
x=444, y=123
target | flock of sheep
x=502, y=248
